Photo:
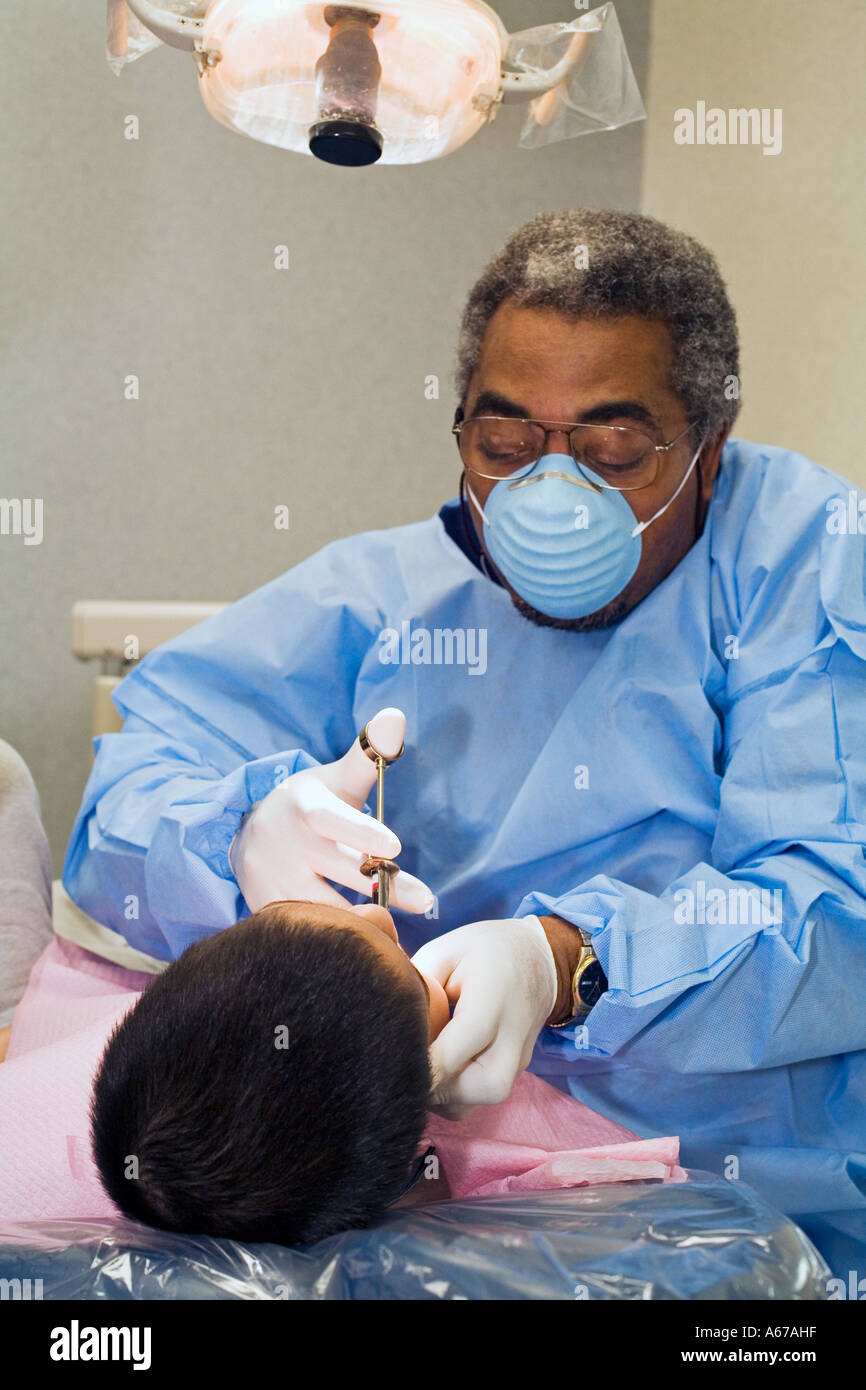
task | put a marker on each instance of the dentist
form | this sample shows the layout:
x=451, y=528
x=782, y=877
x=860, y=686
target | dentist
x=670, y=733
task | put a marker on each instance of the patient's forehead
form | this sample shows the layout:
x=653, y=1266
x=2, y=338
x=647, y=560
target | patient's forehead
x=309, y=914
x=290, y=914
x=305, y=914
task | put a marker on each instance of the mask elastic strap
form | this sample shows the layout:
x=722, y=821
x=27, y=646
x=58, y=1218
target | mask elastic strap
x=477, y=505
x=642, y=525
x=469, y=528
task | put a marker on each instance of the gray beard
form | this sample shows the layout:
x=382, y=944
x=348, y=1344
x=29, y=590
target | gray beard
x=609, y=616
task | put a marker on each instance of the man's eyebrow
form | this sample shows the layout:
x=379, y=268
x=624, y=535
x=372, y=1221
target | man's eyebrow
x=492, y=403
x=619, y=410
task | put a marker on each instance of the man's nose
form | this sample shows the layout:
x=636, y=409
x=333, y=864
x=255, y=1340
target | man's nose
x=557, y=442
x=560, y=439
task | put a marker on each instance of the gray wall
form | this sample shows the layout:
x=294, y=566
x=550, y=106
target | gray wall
x=796, y=274
x=155, y=257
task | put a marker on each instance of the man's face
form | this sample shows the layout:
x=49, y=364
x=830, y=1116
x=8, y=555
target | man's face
x=541, y=365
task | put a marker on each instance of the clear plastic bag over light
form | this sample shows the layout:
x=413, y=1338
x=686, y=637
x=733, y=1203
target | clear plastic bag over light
x=127, y=38
x=598, y=93
x=701, y=1239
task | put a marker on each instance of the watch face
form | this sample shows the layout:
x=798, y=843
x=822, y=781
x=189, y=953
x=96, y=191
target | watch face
x=592, y=984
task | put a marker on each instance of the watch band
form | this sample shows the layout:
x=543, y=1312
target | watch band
x=588, y=983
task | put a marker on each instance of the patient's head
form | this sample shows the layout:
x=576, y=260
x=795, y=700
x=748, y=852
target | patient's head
x=273, y=1083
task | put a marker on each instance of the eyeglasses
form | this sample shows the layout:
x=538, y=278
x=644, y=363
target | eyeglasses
x=620, y=458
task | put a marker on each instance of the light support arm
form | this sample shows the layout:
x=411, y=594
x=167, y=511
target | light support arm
x=178, y=31
x=521, y=86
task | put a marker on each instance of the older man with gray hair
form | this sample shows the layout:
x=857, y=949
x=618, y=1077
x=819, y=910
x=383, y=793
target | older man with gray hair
x=645, y=823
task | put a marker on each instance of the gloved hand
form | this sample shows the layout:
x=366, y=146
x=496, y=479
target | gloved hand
x=311, y=828
x=502, y=977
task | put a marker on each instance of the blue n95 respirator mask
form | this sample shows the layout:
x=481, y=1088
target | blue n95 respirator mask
x=566, y=548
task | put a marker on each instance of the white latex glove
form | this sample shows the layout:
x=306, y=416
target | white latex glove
x=502, y=977
x=311, y=828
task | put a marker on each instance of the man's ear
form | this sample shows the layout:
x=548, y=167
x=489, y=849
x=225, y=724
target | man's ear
x=708, y=466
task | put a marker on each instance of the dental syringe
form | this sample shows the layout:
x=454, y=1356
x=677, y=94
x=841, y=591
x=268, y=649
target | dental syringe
x=374, y=866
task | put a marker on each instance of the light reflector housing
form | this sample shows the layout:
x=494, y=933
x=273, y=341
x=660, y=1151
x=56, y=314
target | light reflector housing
x=440, y=71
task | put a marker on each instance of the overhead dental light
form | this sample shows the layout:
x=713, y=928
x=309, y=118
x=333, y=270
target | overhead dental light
x=398, y=81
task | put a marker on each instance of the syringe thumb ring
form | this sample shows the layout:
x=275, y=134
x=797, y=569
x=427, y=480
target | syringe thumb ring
x=372, y=751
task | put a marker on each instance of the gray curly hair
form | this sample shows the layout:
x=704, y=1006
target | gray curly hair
x=636, y=265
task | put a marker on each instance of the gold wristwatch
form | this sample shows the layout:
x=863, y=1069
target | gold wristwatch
x=588, y=983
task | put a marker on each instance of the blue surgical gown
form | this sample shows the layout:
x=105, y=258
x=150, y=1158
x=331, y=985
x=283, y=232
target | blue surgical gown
x=630, y=780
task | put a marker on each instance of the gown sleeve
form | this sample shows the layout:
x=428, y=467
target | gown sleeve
x=213, y=721
x=756, y=959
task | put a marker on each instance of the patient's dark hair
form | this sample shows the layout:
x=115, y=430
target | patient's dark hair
x=204, y=1120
